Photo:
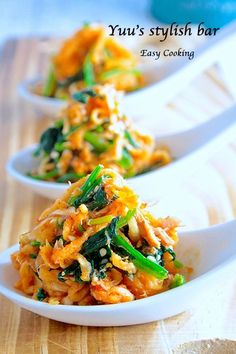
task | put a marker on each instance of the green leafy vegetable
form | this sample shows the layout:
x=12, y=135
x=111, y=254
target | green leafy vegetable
x=97, y=200
x=98, y=143
x=35, y=243
x=50, y=84
x=41, y=294
x=70, y=80
x=72, y=270
x=125, y=219
x=82, y=96
x=33, y=256
x=97, y=247
x=101, y=220
x=88, y=73
x=178, y=280
x=130, y=139
x=91, y=179
x=126, y=161
x=45, y=176
x=141, y=262
x=49, y=138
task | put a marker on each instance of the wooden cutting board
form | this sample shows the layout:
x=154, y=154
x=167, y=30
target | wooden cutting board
x=209, y=197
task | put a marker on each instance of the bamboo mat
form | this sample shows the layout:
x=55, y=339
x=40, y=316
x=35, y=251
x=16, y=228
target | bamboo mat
x=209, y=197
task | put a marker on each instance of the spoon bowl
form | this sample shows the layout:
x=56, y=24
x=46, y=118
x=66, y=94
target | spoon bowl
x=209, y=251
x=189, y=149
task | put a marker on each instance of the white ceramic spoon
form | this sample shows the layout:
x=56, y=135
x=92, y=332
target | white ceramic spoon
x=210, y=252
x=190, y=149
x=163, y=83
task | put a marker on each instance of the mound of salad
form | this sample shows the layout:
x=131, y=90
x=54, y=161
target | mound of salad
x=93, y=130
x=98, y=244
x=90, y=57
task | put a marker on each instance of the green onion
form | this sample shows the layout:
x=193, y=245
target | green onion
x=178, y=280
x=35, y=243
x=50, y=84
x=99, y=144
x=41, y=294
x=125, y=219
x=117, y=71
x=141, y=262
x=88, y=73
x=101, y=220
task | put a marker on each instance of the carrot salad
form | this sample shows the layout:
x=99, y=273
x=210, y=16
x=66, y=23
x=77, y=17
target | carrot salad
x=98, y=244
x=91, y=57
x=93, y=130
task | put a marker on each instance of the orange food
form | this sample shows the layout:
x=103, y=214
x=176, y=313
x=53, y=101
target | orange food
x=92, y=133
x=102, y=247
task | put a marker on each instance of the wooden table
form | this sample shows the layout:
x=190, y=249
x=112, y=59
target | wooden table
x=209, y=197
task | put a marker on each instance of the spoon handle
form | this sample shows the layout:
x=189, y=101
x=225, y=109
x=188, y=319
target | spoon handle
x=222, y=126
x=191, y=152
x=179, y=74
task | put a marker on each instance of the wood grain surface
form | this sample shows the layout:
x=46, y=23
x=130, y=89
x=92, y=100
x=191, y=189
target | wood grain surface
x=209, y=197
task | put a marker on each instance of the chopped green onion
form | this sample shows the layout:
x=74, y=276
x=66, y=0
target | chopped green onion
x=125, y=219
x=50, y=84
x=101, y=220
x=141, y=262
x=178, y=280
x=99, y=144
x=88, y=72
